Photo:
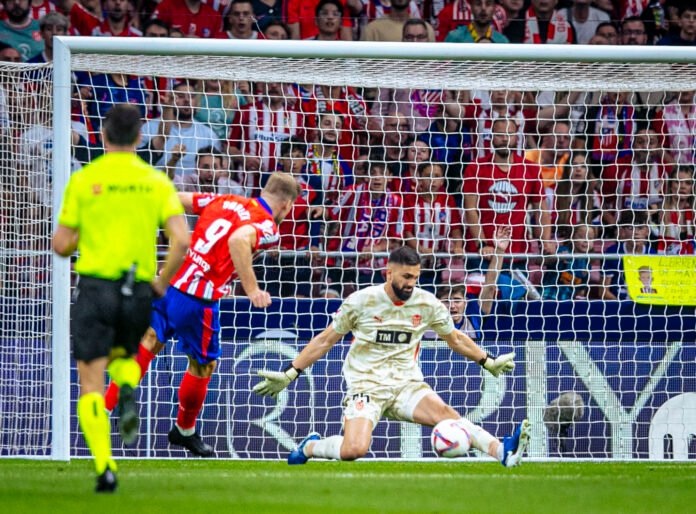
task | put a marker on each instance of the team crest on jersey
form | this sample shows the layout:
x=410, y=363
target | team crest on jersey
x=359, y=405
x=416, y=320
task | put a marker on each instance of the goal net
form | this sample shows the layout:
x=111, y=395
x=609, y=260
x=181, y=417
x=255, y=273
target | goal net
x=523, y=176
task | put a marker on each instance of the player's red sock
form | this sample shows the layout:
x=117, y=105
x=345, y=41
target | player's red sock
x=192, y=393
x=143, y=358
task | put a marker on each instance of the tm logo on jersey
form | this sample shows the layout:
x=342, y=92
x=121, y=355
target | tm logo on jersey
x=393, y=337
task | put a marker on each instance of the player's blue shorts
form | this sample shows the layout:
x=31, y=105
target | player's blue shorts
x=195, y=323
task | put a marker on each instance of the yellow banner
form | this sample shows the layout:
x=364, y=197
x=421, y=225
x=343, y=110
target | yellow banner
x=661, y=280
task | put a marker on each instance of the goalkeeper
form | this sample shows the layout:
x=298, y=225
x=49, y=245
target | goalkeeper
x=381, y=370
x=111, y=211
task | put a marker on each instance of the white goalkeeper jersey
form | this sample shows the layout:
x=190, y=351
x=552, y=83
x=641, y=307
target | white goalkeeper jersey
x=387, y=335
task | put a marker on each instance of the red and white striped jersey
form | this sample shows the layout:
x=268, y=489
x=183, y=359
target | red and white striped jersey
x=208, y=269
x=41, y=10
x=259, y=130
x=433, y=222
x=676, y=233
x=637, y=190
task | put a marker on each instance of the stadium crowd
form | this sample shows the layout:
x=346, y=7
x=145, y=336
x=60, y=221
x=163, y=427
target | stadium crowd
x=572, y=174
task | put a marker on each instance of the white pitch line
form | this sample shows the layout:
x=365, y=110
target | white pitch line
x=408, y=476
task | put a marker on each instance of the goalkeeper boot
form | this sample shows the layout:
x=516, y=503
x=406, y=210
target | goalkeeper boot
x=106, y=482
x=192, y=443
x=515, y=445
x=128, y=422
x=297, y=456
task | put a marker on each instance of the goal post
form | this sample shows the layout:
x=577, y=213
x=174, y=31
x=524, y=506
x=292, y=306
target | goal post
x=623, y=433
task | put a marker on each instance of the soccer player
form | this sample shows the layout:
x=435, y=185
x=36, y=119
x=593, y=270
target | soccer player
x=381, y=370
x=111, y=211
x=230, y=229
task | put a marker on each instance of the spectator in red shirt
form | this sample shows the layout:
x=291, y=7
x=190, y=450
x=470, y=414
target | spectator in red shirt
x=192, y=17
x=369, y=218
x=504, y=190
x=329, y=19
x=432, y=223
x=259, y=128
x=301, y=18
x=116, y=21
x=239, y=22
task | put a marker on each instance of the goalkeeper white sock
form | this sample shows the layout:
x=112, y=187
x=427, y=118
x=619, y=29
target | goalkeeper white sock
x=482, y=440
x=329, y=448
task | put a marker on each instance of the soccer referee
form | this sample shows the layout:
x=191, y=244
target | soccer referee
x=111, y=211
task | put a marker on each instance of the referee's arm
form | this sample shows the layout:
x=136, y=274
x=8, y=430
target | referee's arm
x=65, y=240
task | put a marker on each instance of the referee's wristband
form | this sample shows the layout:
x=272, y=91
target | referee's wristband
x=482, y=362
x=292, y=372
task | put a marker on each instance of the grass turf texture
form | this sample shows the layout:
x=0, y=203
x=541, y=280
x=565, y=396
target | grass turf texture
x=331, y=487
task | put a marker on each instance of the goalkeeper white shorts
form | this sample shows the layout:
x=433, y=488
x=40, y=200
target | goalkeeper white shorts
x=397, y=402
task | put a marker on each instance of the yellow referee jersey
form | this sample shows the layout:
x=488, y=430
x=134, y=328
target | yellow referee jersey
x=117, y=203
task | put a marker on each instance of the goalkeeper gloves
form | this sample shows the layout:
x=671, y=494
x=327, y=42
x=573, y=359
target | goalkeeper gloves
x=497, y=365
x=275, y=381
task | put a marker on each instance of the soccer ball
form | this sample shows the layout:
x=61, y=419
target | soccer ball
x=450, y=439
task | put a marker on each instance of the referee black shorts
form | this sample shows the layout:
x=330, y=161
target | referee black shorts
x=103, y=318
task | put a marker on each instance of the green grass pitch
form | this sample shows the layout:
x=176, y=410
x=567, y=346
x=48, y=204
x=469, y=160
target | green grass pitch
x=194, y=486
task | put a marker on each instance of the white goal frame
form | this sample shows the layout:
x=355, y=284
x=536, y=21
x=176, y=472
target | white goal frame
x=66, y=47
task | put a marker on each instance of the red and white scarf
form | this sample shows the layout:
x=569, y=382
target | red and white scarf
x=633, y=7
x=558, y=33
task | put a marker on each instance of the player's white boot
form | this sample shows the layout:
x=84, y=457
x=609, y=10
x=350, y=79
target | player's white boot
x=515, y=445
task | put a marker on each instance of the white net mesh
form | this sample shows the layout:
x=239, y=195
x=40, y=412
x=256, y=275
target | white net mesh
x=25, y=278
x=583, y=162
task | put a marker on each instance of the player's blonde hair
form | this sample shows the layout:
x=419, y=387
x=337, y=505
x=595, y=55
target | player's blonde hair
x=282, y=186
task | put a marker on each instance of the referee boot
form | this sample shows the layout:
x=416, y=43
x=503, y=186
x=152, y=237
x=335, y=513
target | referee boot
x=128, y=422
x=106, y=482
x=192, y=443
